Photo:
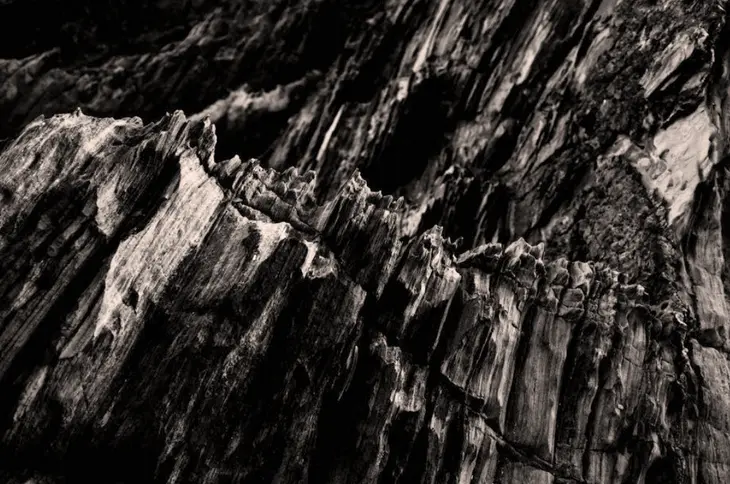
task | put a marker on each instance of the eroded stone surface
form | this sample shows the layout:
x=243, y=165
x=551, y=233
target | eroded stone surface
x=212, y=319
x=233, y=326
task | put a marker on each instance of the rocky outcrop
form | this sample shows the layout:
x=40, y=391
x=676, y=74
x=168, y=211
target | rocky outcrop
x=211, y=321
x=486, y=241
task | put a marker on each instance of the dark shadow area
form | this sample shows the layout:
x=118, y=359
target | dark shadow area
x=662, y=471
x=82, y=26
x=419, y=132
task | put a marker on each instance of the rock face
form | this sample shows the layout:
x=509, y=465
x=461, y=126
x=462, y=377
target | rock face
x=484, y=243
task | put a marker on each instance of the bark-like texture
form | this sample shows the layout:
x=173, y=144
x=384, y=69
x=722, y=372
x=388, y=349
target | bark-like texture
x=209, y=321
x=177, y=315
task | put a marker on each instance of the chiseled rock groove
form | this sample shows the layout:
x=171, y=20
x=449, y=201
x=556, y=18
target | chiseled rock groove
x=171, y=318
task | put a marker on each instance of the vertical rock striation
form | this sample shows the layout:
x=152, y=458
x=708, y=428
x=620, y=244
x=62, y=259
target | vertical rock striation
x=211, y=321
x=486, y=242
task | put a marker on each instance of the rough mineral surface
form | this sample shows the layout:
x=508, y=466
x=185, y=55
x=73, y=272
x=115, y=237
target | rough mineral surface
x=474, y=242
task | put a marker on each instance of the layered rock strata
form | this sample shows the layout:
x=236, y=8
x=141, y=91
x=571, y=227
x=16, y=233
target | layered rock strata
x=180, y=319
